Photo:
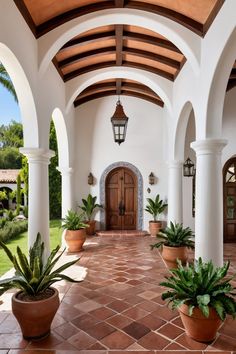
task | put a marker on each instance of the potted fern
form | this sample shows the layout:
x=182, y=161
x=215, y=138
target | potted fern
x=75, y=235
x=36, y=304
x=90, y=207
x=174, y=242
x=203, y=295
x=155, y=207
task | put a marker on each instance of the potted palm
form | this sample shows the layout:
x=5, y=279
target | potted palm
x=35, y=305
x=155, y=207
x=89, y=207
x=203, y=295
x=174, y=242
x=75, y=235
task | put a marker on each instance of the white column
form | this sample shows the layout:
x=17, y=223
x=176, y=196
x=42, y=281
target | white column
x=67, y=202
x=175, y=194
x=38, y=202
x=209, y=200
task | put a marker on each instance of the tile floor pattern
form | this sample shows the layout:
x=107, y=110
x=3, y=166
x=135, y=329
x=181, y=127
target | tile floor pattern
x=117, y=308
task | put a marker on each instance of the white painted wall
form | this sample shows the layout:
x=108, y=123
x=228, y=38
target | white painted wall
x=144, y=146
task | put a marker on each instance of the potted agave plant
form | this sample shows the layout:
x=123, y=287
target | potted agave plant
x=174, y=242
x=75, y=235
x=203, y=295
x=89, y=207
x=155, y=207
x=36, y=302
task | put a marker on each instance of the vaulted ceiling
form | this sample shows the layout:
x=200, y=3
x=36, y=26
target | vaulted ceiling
x=119, y=45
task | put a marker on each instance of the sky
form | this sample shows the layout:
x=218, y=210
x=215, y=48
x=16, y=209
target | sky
x=9, y=109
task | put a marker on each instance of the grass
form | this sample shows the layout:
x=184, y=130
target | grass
x=21, y=241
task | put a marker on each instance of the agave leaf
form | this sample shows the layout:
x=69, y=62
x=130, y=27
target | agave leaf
x=24, y=264
x=219, y=307
x=203, y=299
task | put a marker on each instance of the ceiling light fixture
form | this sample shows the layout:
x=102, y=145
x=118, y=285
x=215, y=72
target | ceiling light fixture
x=119, y=123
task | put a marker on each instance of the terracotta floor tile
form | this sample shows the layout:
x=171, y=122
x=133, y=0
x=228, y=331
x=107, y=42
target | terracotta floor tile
x=131, y=352
x=170, y=331
x=135, y=313
x=175, y=346
x=85, y=321
x=49, y=342
x=87, y=306
x=100, y=330
x=225, y=343
x=189, y=343
x=119, y=306
x=12, y=341
x=104, y=299
x=102, y=313
x=148, y=294
x=165, y=313
x=82, y=340
x=66, y=330
x=136, y=330
x=97, y=346
x=149, y=306
x=9, y=325
x=153, y=341
x=119, y=321
x=178, y=322
x=121, y=279
x=68, y=312
x=117, y=340
x=152, y=322
x=134, y=282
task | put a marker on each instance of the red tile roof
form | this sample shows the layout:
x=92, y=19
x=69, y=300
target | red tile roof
x=8, y=176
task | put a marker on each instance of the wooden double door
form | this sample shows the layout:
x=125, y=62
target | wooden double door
x=121, y=200
x=229, y=180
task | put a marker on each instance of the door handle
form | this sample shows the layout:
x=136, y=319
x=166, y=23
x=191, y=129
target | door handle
x=121, y=209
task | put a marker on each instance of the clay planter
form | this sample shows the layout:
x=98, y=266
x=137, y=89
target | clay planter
x=91, y=229
x=35, y=317
x=75, y=240
x=199, y=327
x=154, y=227
x=171, y=254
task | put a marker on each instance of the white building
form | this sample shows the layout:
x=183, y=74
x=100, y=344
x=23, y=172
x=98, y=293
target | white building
x=173, y=66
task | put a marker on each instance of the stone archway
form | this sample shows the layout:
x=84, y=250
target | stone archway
x=139, y=187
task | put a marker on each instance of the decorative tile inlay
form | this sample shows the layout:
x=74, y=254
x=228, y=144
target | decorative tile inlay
x=140, y=191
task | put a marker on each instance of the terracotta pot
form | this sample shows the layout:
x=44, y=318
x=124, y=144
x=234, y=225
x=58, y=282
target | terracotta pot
x=75, y=240
x=171, y=254
x=35, y=317
x=199, y=327
x=91, y=229
x=154, y=227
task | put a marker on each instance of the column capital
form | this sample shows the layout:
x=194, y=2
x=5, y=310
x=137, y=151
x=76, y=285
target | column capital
x=37, y=155
x=175, y=164
x=208, y=146
x=66, y=171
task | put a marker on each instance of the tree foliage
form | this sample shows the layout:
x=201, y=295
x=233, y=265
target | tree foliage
x=11, y=138
x=6, y=82
x=54, y=177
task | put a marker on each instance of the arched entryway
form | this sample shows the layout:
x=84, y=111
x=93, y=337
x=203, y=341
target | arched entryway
x=229, y=181
x=139, y=192
x=121, y=199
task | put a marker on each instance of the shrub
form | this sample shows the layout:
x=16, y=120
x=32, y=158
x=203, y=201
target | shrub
x=12, y=229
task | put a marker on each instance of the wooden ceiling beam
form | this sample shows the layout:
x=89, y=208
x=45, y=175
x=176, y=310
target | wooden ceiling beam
x=82, y=56
x=160, y=42
x=107, y=64
x=91, y=38
x=97, y=95
x=118, y=86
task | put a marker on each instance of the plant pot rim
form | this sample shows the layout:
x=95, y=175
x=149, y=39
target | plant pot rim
x=173, y=247
x=197, y=313
x=157, y=221
x=14, y=296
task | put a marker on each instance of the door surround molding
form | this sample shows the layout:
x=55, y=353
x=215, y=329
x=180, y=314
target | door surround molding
x=139, y=191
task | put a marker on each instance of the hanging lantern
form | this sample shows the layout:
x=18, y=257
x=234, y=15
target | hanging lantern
x=119, y=123
x=188, y=168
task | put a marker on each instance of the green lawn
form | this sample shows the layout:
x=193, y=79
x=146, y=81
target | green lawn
x=21, y=240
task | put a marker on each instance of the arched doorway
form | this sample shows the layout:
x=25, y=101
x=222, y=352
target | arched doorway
x=229, y=187
x=121, y=199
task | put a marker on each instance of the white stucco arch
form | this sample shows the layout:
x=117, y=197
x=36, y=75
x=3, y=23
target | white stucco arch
x=24, y=95
x=180, y=131
x=62, y=138
x=218, y=86
x=160, y=85
x=188, y=42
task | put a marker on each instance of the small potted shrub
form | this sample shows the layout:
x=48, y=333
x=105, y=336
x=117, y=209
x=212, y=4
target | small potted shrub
x=174, y=241
x=75, y=235
x=203, y=295
x=35, y=305
x=155, y=207
x=89, y=207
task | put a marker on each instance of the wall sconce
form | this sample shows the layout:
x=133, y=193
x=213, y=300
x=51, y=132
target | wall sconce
x=188, y=168
x=151, y=179
x=90, y=179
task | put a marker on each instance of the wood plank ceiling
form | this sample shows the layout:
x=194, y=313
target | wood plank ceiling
x=118, y=45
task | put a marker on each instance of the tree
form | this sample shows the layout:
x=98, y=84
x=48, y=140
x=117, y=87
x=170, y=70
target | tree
x=54, y=177
x=5, y=81
x=11, y=135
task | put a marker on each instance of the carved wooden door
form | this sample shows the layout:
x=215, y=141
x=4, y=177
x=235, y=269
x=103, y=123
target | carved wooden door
x=229, y=178
x=121, y=200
